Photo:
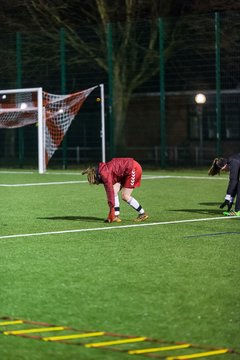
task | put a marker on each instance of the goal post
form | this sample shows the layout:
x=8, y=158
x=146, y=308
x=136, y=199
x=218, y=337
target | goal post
x=102, y=99
x=41, y=131
x=22, y=107
x=52, y=114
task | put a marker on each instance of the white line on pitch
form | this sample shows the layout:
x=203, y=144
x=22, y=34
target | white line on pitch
x=17, y=172
x=36, y=172
x=152, y=177
x=145, y=177
x=117, y=227
x=46, y=183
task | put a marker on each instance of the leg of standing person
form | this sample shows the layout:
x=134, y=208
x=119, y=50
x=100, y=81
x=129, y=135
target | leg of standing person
x=117, y=188
x=237, y=204
x=236, y=195
x=126, y=196
x=132, y=181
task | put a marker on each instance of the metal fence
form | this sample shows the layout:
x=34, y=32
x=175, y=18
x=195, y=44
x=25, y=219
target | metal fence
x=152, y=72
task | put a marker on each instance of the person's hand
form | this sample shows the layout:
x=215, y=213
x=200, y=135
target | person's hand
x=227, y=202
x=111, y=215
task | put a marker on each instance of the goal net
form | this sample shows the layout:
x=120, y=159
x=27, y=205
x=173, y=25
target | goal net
x=52, y=113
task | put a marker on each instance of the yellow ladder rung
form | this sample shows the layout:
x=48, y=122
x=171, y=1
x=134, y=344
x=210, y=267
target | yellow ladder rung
x=116, y=342
x=198, y=355
x=35, y=330
x=163, y=348
x=73, y=336
x=12, y=322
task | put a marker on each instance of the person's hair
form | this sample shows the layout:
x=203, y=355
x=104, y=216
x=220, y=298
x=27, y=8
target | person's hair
x=216, y=166
x=91, y=175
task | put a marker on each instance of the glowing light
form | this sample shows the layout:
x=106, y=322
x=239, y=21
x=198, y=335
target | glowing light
x=23, y=106
x=200, y=98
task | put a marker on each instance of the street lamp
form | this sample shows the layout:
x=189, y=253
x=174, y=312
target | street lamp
x=200, y=100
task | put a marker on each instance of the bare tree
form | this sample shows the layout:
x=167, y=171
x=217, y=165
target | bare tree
x=134, y=54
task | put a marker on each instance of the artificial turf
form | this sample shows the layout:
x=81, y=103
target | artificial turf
x=177, y=281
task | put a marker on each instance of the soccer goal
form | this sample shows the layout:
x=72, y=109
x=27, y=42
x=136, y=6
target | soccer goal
x=53, y=115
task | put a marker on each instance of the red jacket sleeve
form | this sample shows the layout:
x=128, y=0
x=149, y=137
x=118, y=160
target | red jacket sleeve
x=112, y=172
x=106, y=178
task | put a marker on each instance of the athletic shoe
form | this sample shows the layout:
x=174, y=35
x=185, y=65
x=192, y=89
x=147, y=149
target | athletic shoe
x=231, y=213
x=117, y=219
x=142, y=217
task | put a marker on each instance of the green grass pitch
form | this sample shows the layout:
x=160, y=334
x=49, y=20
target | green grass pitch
x=173, y=279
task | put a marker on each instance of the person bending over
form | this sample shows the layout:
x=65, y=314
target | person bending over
x=231, y=164
x=119, y=174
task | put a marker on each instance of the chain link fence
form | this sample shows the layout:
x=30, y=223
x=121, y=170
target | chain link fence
x=152, y=72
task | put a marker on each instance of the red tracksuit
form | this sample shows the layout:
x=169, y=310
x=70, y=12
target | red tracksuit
x=125, y=171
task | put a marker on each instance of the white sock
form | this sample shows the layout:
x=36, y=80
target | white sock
x=116, y=205
x=135, y=205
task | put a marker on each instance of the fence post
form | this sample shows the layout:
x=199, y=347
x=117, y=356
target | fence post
x=19, y=85
x=162, y=97
x=110, y=89
x=218, y=84
x=63, y=87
